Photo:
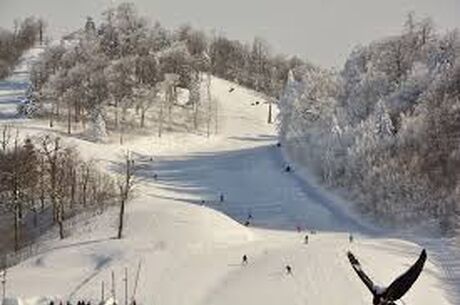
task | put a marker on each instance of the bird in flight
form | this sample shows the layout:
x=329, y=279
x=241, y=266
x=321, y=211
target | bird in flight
x=398, y=288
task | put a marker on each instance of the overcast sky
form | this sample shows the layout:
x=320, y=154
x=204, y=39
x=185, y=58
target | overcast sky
x=323, y=31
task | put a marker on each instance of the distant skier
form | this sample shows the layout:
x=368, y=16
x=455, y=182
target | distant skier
x=155, y=177
x=244, y=261
x=288, y=269
x=287, y=169
x=203, y=202
x=298, y=228
x=231, y=90
x=51, y=302
x=247, y=223
x=221, y=197
x=249, y=215
x=278, y=144
x=306, y=239
x=350, y=238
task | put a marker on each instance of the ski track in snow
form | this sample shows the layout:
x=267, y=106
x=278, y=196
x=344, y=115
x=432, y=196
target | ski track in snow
x=190, y=253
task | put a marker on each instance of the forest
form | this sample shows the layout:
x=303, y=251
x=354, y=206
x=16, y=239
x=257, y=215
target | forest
x=384, y=130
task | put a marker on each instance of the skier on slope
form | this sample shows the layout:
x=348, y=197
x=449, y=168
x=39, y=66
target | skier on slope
x=288, y=269
x=221, y=197
x=244, y=260
x=306, y=239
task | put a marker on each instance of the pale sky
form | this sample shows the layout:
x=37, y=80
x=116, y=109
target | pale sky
x=322, y=31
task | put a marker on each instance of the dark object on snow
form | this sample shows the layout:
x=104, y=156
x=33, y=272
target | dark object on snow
x=155, y=177
x=245, y=260
x=397, y=289
x=288, y=269
x=257, y=102
x=350, y=238
x=51, y=302
x=203, y=202
x=287, y=168
x=231, y=90
x=221, y=197
x=247, y=223
x=278, y=144
x=298, y=228
x=306, y=239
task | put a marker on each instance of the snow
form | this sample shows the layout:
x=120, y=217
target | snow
x=190, y=253
x=13, y=88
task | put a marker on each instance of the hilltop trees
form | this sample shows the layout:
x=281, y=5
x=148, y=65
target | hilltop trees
x=384, y=128
x=13, y=44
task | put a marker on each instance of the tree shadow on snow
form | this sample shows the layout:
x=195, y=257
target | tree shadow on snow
x=254, y=185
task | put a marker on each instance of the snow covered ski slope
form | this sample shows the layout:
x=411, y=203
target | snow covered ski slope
x=191, y=252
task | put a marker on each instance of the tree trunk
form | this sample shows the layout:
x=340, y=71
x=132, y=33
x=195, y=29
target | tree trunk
x=143, y=117
x=69, y=120
x=16, y=227
x=122, y=214
x=269, y=121
x=60, y=220
x=117, y=119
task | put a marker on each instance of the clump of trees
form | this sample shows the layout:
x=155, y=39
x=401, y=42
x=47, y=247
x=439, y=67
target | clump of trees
x=45, y=183
x=14, y=43
x=124, y=73
x=385, y=129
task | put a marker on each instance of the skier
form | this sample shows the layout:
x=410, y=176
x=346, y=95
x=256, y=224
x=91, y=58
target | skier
x=221, y=197
x=350, y=238
x=288, y=269
x=299, y=229
x=287, y=169
x=231, y=90
x=247, y=223
x=155, y=177
x=278, y=144
x=306, y=239
x=245, y=260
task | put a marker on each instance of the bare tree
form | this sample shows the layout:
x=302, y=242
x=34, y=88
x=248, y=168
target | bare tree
x=125, y=185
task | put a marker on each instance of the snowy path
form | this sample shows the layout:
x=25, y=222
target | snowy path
x=191, y=254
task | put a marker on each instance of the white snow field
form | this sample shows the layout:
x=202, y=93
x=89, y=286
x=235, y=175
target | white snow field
x=191, y=254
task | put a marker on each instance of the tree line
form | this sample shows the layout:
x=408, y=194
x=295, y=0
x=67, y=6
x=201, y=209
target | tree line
x=44, y=182
x=385, y=128
x=14, y=43
x=113, y=75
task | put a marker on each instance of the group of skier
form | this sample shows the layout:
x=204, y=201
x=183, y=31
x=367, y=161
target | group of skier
x=288, y=268
x=80, y=302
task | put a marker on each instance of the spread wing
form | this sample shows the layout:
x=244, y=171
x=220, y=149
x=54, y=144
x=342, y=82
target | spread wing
x=405, y=281
x=363, y=276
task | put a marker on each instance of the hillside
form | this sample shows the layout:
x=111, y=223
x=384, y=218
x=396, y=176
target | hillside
x=190, y=253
